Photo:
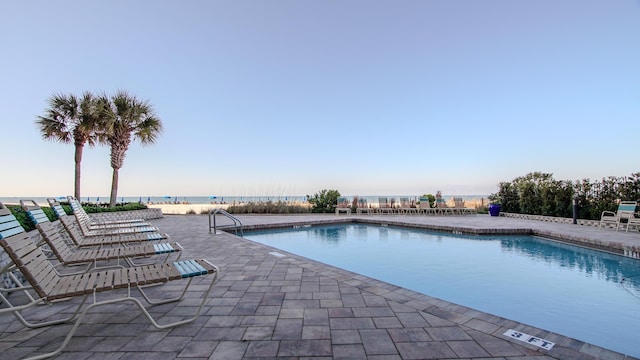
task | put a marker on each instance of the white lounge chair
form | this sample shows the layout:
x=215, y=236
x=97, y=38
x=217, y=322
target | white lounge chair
x=425, y=207
x=60, y=245
x=460, y=206
x=92, y=229
x=441, y=205
x=363, y=207
x=116, y=218
x=384, y=207
x=46, y=286
x=343, y=206
x=83, y=237
x=407, y=206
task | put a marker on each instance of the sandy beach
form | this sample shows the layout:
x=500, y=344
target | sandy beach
x=170, y=208
x=184, y=208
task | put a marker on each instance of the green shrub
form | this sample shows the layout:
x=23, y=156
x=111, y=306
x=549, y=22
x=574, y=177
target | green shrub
x=67, y=209
x=540, y=194
x=324, y=201
x=22, y=217
x=98, y=208
x=50, y=213
x=432, y=199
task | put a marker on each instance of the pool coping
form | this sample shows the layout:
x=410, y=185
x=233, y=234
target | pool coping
x=613, y=247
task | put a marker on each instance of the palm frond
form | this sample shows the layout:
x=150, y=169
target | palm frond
x=149, y=130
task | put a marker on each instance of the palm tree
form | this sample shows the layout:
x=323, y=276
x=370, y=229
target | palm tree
x=72, y=119
x=128, y=118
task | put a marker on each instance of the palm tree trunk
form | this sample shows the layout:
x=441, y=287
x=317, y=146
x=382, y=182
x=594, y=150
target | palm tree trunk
x=114, y=187
x=78, y=160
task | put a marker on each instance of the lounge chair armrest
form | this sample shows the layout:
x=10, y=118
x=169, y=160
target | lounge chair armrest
x=64, y=267
x=608, y=213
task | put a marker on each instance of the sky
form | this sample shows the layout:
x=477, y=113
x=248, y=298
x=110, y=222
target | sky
x=291, y=97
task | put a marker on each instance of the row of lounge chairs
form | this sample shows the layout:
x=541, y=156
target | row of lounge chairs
x=405, y=206
x=117, y=259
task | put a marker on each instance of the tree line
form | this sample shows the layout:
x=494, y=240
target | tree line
x=539, y=193
x=90, y=119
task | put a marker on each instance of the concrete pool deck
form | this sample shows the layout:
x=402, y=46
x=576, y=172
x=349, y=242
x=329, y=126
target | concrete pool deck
x=281, y=305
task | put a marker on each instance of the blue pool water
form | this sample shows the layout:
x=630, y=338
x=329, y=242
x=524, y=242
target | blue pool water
x=585, y=294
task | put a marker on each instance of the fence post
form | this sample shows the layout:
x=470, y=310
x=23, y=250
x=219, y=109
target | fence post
x=575, y=209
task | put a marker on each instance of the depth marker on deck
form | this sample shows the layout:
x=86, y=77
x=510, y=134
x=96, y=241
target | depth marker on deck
x=277, y=254
x=529, y=339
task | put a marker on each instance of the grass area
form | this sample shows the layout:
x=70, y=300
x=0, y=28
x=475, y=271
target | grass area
x=268, y=207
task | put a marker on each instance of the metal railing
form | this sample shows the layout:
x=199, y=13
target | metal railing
x=235, y=225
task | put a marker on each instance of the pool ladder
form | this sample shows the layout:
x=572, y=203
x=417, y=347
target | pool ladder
x=235, y=225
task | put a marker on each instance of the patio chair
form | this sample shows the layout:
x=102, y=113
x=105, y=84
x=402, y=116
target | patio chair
x=441, y=206
x=363, y=207
x=634, y=220
x=83, y=237
x=460, y=206
x=384, y=207
x=49, y=287
x=407, y=206
x=61, y=247
x=626, y=211
x=88, y=230
x=74, y=229
x=343, y=206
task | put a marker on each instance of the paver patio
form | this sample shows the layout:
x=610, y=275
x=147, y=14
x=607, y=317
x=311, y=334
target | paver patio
x=267, y=306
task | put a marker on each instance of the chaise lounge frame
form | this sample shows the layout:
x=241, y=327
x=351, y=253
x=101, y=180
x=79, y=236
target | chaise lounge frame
x=60, y=245
x=49, y=287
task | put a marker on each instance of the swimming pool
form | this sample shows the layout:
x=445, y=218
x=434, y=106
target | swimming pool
x=589, y=295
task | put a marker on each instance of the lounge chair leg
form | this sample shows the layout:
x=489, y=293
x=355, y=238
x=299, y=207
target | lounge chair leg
x=146, y=313
x=163, y=301
x=15, y=310
x=74, y=328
